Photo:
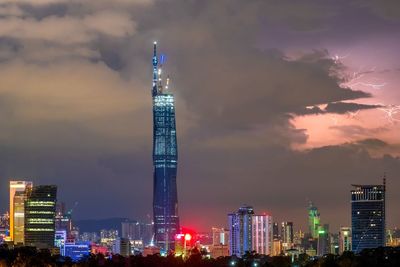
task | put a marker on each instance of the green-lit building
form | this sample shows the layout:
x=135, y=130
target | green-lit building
x=40, y=207
x=313, y=220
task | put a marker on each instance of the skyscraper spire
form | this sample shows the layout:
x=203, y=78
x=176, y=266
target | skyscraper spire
x=155, y=70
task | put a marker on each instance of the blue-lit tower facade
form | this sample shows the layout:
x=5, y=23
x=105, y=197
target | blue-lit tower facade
x=240, y=231
x=368, y=216
x=165, y=157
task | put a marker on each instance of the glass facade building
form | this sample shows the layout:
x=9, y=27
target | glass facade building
x=240, y=231
x=40, y=208
x=367, y=216
x=17, y=193
x=165, y=157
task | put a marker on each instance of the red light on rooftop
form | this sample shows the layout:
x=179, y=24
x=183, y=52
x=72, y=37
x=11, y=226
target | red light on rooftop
x=188, y=237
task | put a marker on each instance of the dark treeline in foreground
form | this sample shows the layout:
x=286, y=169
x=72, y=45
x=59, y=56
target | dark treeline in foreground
x=30, y=257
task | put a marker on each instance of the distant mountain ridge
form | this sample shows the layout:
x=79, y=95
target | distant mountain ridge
x=96, y=225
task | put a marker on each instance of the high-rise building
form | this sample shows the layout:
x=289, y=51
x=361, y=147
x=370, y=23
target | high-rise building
x=131, y=230
x=60, y=239
x=262, y=234
x=276, y=247
x=122, y=246
x=220, y=236
x=107, y=237
x=275, y=231
x=147, y=233
x=368, y=216
x=323, y=244
x=40, y=208
x=287, y=233
x=344, y=239
x=313, y=220
x=165, y=160
x=17, y=186
x=249, y=232
x=63, y=218
x=220, y=242
x=240, y=231
x=334, y=243
x=298, y=238
x=19, y=217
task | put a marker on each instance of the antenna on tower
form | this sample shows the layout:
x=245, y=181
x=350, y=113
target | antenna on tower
x=167, y=83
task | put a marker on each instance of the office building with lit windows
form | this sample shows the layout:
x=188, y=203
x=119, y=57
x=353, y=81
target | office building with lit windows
x=287, y=235
x=323, y=241
x=249, y=232
x=262, y=234
x=40, y=208
x=344, y=239
x=240, y=231
x=220, y=242
x=165, y=161
x=367, y=216
x=17, y=213
x=19, y=217
x=220, y=236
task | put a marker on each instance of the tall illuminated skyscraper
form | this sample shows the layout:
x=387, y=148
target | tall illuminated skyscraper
x=313, y=220
x=262, y=234
x=241, y=231
x=17, y=193
x=40, y=209
x=368, y=216
x=165, y=156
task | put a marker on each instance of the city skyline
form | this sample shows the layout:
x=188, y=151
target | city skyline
x=277, y=105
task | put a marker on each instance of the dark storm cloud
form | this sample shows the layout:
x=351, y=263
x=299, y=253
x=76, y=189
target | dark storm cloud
x=344, y=107
x=389, y=9
x=356, y=131
x=76, y=106
x=372, y=143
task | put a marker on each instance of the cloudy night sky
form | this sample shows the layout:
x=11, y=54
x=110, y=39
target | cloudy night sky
x=278, y=103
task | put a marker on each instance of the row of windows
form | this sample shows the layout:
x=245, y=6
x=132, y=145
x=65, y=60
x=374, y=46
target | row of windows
x=40, y=203
x=40, y=212
x=40, y=229
x=40, y=221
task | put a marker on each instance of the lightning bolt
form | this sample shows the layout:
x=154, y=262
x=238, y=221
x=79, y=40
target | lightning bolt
x=368, y=84
x=355, y=79
x=338, y=58
x=353, y=115
x=391, y=112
